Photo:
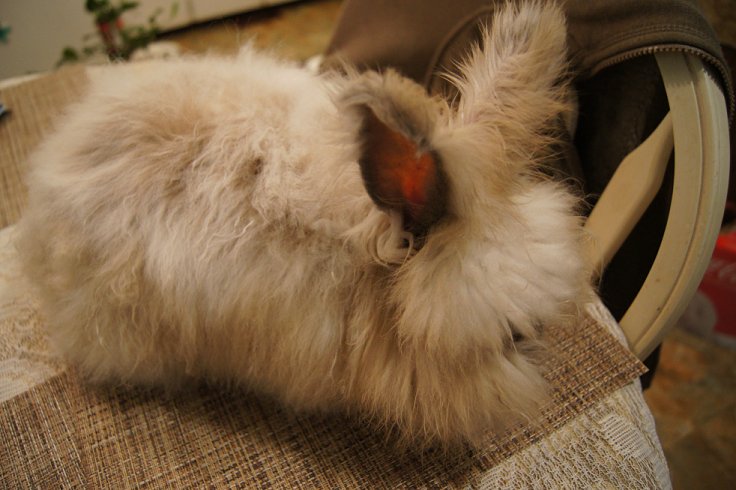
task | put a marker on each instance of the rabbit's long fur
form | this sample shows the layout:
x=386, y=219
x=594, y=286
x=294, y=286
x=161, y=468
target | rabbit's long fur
x=235, y=220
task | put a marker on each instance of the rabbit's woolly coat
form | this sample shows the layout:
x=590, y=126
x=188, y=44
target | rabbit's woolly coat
x=337, y=241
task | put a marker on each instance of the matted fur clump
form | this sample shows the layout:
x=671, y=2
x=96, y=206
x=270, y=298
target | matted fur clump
x=342, y=242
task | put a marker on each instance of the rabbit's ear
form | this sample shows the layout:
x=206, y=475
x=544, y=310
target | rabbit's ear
x=401, y=174
x=514, y=86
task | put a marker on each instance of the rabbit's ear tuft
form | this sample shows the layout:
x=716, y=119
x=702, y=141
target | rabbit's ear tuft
x=401, y=175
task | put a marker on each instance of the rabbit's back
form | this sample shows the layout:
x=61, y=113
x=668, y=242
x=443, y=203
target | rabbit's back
x=192, y=222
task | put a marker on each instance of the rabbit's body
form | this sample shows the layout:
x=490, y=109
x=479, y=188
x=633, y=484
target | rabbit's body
x=209, y=219
x=177, y=227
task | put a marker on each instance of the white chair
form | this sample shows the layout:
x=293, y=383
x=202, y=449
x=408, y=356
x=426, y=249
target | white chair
x=697, y=126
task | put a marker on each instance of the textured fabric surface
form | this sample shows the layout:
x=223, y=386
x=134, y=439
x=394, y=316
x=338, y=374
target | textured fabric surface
x=58, y=432
x=611, y=445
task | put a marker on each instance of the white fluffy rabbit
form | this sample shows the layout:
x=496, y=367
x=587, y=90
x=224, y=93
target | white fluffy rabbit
x=339, y=241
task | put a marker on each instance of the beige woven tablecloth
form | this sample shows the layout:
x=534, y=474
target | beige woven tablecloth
x=58, y=432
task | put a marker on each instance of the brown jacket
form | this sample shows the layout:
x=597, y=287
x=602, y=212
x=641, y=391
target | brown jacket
x=421, y=38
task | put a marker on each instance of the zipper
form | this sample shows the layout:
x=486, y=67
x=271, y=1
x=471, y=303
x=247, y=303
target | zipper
x=677, y=48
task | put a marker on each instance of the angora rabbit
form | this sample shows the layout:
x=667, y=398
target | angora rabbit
x=339, y=241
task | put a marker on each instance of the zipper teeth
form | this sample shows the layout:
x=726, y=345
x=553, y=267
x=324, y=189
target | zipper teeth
x=712, y=60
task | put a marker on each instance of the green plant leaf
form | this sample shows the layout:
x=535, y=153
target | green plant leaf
x=68, y=55
x=95, y=5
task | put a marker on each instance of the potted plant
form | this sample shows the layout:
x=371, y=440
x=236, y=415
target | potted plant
x=113, y=38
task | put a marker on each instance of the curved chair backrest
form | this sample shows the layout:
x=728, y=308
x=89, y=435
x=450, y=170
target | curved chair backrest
x=698, y=124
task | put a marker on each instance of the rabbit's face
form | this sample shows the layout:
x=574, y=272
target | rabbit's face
x=495, y=248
